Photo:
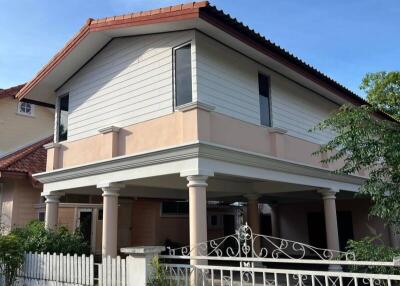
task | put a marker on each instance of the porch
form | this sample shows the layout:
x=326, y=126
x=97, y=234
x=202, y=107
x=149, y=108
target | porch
x=197, y=173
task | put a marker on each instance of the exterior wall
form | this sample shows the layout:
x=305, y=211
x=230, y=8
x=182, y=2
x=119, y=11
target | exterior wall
x=268, y=141
x=229, y=81
x=293, y=220
x=18, y=199
x=17, y=130
x=129, y=81
x=169, y=130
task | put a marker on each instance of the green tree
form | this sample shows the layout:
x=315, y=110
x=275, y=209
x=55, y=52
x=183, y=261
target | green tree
x=11, y=257
x=368, y=137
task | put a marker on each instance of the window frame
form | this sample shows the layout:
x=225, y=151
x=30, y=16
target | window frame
x=58, y=117
x=19, y=112
x=269, y=98
x=174, y=106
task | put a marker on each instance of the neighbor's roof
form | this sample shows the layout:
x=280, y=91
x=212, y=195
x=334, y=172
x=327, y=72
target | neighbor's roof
x=12, y=91
x=210, y=14
x=28, y=160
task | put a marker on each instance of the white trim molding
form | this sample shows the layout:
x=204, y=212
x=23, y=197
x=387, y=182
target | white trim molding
x=197, y=158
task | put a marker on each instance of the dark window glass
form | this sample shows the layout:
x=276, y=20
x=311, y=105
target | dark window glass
x=183, y=75
x=174, y=208
x=214, y=220
x=100, y=215
x=41, y=216
x=263, y=87
x=63, y=118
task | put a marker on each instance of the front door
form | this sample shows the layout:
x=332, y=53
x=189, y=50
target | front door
x=85, y=224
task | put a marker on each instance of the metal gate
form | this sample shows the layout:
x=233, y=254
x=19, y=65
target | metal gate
x=246, y=258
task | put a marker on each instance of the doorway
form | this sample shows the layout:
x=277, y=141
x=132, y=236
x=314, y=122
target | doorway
x=85, y=224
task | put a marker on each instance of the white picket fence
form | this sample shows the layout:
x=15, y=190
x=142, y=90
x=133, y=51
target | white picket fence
x=112, y=272
x=57, y=269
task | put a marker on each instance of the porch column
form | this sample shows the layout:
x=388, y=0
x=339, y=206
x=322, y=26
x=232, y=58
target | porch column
x=51, y=216
x=332, y=233
x=253, y=218
x=110, y=218
x=197, y=213
x=275, y=226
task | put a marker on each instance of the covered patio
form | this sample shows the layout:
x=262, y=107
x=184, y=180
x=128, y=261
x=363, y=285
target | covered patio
x=198, y=172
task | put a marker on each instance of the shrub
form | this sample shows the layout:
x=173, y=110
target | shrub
x=37, y=238
x=11, y=257
x=373, y=249
x=159, y=275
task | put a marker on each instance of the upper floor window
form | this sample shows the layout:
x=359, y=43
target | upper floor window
x=183, y=75
x=264, y=95
x=62, y=118
x=25, y=108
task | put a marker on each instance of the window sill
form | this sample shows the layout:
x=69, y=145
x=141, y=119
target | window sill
x=193, y=105
x=25, y=114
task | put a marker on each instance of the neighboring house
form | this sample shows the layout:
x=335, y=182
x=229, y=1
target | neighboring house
x=24, y=129
x=187, y=104
x=22, y=123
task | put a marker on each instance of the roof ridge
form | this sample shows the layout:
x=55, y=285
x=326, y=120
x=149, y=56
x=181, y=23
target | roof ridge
x=178, y=7
x=20, y=154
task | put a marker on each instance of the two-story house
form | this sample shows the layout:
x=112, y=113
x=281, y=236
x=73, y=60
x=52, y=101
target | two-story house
x=187, y=103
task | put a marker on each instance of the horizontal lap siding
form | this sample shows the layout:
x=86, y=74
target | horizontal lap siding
x=229, y=81
x=129, y=81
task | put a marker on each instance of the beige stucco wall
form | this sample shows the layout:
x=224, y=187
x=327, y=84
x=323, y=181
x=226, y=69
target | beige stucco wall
x=169, y=130
x=18, y=130
x=18, y=200
x=184, y=127
x=293, y=219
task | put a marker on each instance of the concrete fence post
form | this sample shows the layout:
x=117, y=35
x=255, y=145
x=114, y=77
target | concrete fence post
x=138, y=263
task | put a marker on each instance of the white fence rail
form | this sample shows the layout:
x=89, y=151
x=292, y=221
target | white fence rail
x=112, y=272
x=246, y=258
x=56, y=269
x=179, y=274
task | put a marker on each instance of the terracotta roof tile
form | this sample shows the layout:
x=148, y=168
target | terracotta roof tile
x=29, y=160
x=12, y=91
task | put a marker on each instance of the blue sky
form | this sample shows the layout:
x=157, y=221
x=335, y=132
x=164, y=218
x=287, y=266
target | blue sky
x=342, y=38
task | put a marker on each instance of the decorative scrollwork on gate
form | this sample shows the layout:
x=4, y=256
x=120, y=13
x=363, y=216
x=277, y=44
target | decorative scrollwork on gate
x=246, y=244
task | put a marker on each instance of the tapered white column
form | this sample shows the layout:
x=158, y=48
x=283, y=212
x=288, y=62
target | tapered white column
x=275, y=225
x=110, y=218
x=51, y=216
x=332, y=233
x=197, y=213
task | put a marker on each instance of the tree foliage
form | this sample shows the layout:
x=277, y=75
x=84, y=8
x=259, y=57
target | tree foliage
x=366, y=140
x=38, y=239
x=373, y=249
x=11, y=257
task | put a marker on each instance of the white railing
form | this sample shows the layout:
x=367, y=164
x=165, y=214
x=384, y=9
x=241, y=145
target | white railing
x=246, y=244
x=254, y=259
x=227, y=275
x=56, y=269
x=112, y=272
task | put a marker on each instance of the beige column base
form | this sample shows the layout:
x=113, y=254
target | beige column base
x=110, y=218
x=51, y=215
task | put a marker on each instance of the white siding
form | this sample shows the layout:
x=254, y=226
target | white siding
x=129, y=81
x=229, y=81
